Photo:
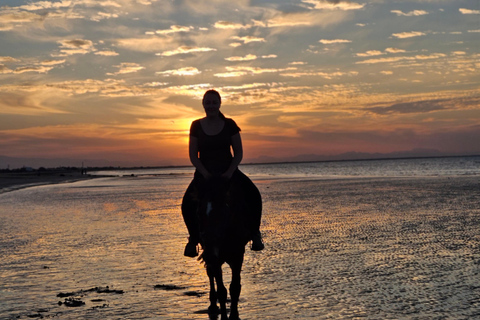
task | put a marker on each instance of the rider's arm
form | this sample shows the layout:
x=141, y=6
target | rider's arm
x=237, y=155
x=194, y=159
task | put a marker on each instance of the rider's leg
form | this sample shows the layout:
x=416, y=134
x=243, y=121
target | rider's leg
x=254, y=203
x=189, y=208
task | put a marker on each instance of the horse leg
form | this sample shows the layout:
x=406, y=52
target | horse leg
x=213, y=308
x=235, y=289
x=222, y=294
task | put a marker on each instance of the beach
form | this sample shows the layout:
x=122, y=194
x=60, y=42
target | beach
x=350, y=248
x=18, y=180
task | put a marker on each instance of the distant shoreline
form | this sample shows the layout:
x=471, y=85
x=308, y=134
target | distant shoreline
x=285, y=162
x=12, y=181
x=326, y=159
x=15, y=179
x=362, y=159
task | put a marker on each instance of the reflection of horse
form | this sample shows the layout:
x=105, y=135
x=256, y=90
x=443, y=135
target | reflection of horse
x=224, y=232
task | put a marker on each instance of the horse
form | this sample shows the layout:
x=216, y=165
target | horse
x=224, y=231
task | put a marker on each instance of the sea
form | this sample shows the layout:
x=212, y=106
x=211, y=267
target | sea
x=372, y=239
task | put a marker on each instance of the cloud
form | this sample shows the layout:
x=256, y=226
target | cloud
x=288, y=21
x=231, y=74
x=87, y=86
x=107, y=53
x=75, y=46
x=76, y=43
x=457, y=141
x=145, y=44
x=185, y=50
x=410, y=34
x=285, y=21
x=15, y=18
x=468, y=11
x=370, y=53
x=424, y=106
x=37, y=69
x=431, y=56
x=324, y=75
x=103, y=15
x=49, y=12
x=27, y=100
x=396, y=59
x=128, y=67
x=334, y=4
x=187, y=71
x=248, y=57
x=8, y=59
x=229, y=25
x=41, y=5
x=334, y=41
x=394, y=50
x=411, y=13
x=248, y=39
x=175, y=29
x=245, y=70
x=4, y=69
x=40, y=14
x=52, y=62
x=384, y=60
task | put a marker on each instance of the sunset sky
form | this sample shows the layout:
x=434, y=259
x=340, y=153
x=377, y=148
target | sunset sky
x=119, y=81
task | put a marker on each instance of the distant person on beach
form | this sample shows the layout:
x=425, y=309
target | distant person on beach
x=211, y=138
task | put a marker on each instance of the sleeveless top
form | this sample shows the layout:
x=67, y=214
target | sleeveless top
x=214, y=150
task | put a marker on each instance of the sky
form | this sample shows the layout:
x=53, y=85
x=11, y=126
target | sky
x=118, y=82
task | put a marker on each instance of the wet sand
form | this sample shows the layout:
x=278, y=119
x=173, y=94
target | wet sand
x=383, y=248
x=19, y=180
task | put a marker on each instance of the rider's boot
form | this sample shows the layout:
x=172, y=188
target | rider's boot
x=257, y=244
x=191, y=248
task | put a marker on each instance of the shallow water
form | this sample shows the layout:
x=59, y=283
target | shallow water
x=415, y=167
x=369, y=247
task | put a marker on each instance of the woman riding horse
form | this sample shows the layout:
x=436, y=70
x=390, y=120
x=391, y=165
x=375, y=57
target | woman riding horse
x=209, y=149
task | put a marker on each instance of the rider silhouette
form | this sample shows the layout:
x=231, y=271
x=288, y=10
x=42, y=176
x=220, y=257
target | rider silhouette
x=211, y=139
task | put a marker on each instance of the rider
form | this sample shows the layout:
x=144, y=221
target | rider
x=209, y=150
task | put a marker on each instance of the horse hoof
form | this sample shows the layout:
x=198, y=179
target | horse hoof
x=213, y=310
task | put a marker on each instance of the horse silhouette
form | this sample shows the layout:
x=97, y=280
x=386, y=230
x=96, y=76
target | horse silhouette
x=223, y=215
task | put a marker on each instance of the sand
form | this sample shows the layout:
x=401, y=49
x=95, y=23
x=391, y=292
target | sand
x=396, y=248
x=19, y=180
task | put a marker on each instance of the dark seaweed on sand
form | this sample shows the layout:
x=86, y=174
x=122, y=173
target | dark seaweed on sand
x=96, y=289
x=167, y=287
